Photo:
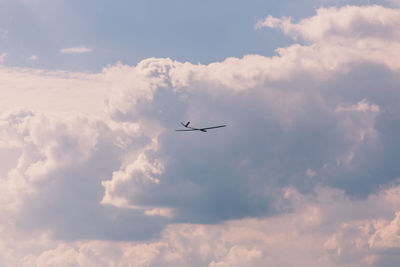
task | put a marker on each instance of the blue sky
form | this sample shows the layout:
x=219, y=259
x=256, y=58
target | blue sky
x=130, y=31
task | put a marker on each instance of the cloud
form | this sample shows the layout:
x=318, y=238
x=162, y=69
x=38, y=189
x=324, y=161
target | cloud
x=347, y=33
x=327, y=229
x=56, y=154
x=386, y=234
x=337, y=24
x=2, y=57
x=76, y=50
x=59, y=91
x=394, y=2
x=33, y=58
x=306, y=165
x=3, y=34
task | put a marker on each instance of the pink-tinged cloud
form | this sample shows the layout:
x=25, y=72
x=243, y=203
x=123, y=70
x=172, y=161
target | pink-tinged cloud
x=333, y=24
x=326, y=229
x=305, y=173
x=2, y=57
x=76, y=50
x=59, y=91
x=394, y=2
x=349, y=33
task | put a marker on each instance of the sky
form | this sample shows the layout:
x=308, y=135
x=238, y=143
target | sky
x=93, y=172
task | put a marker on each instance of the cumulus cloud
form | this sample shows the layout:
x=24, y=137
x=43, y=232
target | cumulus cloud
x=57, y=154
x=308, y=156
x=76, y=50
x=327, y=229
x=336, y=24
x=347, y=33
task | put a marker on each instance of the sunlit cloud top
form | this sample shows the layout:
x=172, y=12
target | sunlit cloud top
x=93, y=172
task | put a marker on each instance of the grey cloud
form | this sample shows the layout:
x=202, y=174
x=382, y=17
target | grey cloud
x=277, y=131
x=275, y=134
x=374, y=164
x=61, y=165
x=296, y=123
x=326, y=228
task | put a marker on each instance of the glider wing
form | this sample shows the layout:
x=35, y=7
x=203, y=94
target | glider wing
x=220, y=126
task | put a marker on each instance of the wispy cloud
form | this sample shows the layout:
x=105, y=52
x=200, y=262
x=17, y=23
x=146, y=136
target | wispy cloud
x=2, y=57
x=3, y=34
x=33, y=58
x=76, y=50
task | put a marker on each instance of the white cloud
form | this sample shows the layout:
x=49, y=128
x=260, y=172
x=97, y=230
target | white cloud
x=326, y=229
x=336, y=24
x=386, y=234
x=2, y=57
x=47, y=144
x=76, y=50
x=59, y=91
x=311, y=137
x=134, y=177
x=362, y=106
x=33, y=58
x=348, y=33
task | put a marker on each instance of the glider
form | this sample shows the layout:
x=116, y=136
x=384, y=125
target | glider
x=186, y=125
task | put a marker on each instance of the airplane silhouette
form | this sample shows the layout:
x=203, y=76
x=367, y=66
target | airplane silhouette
x=186, y=125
